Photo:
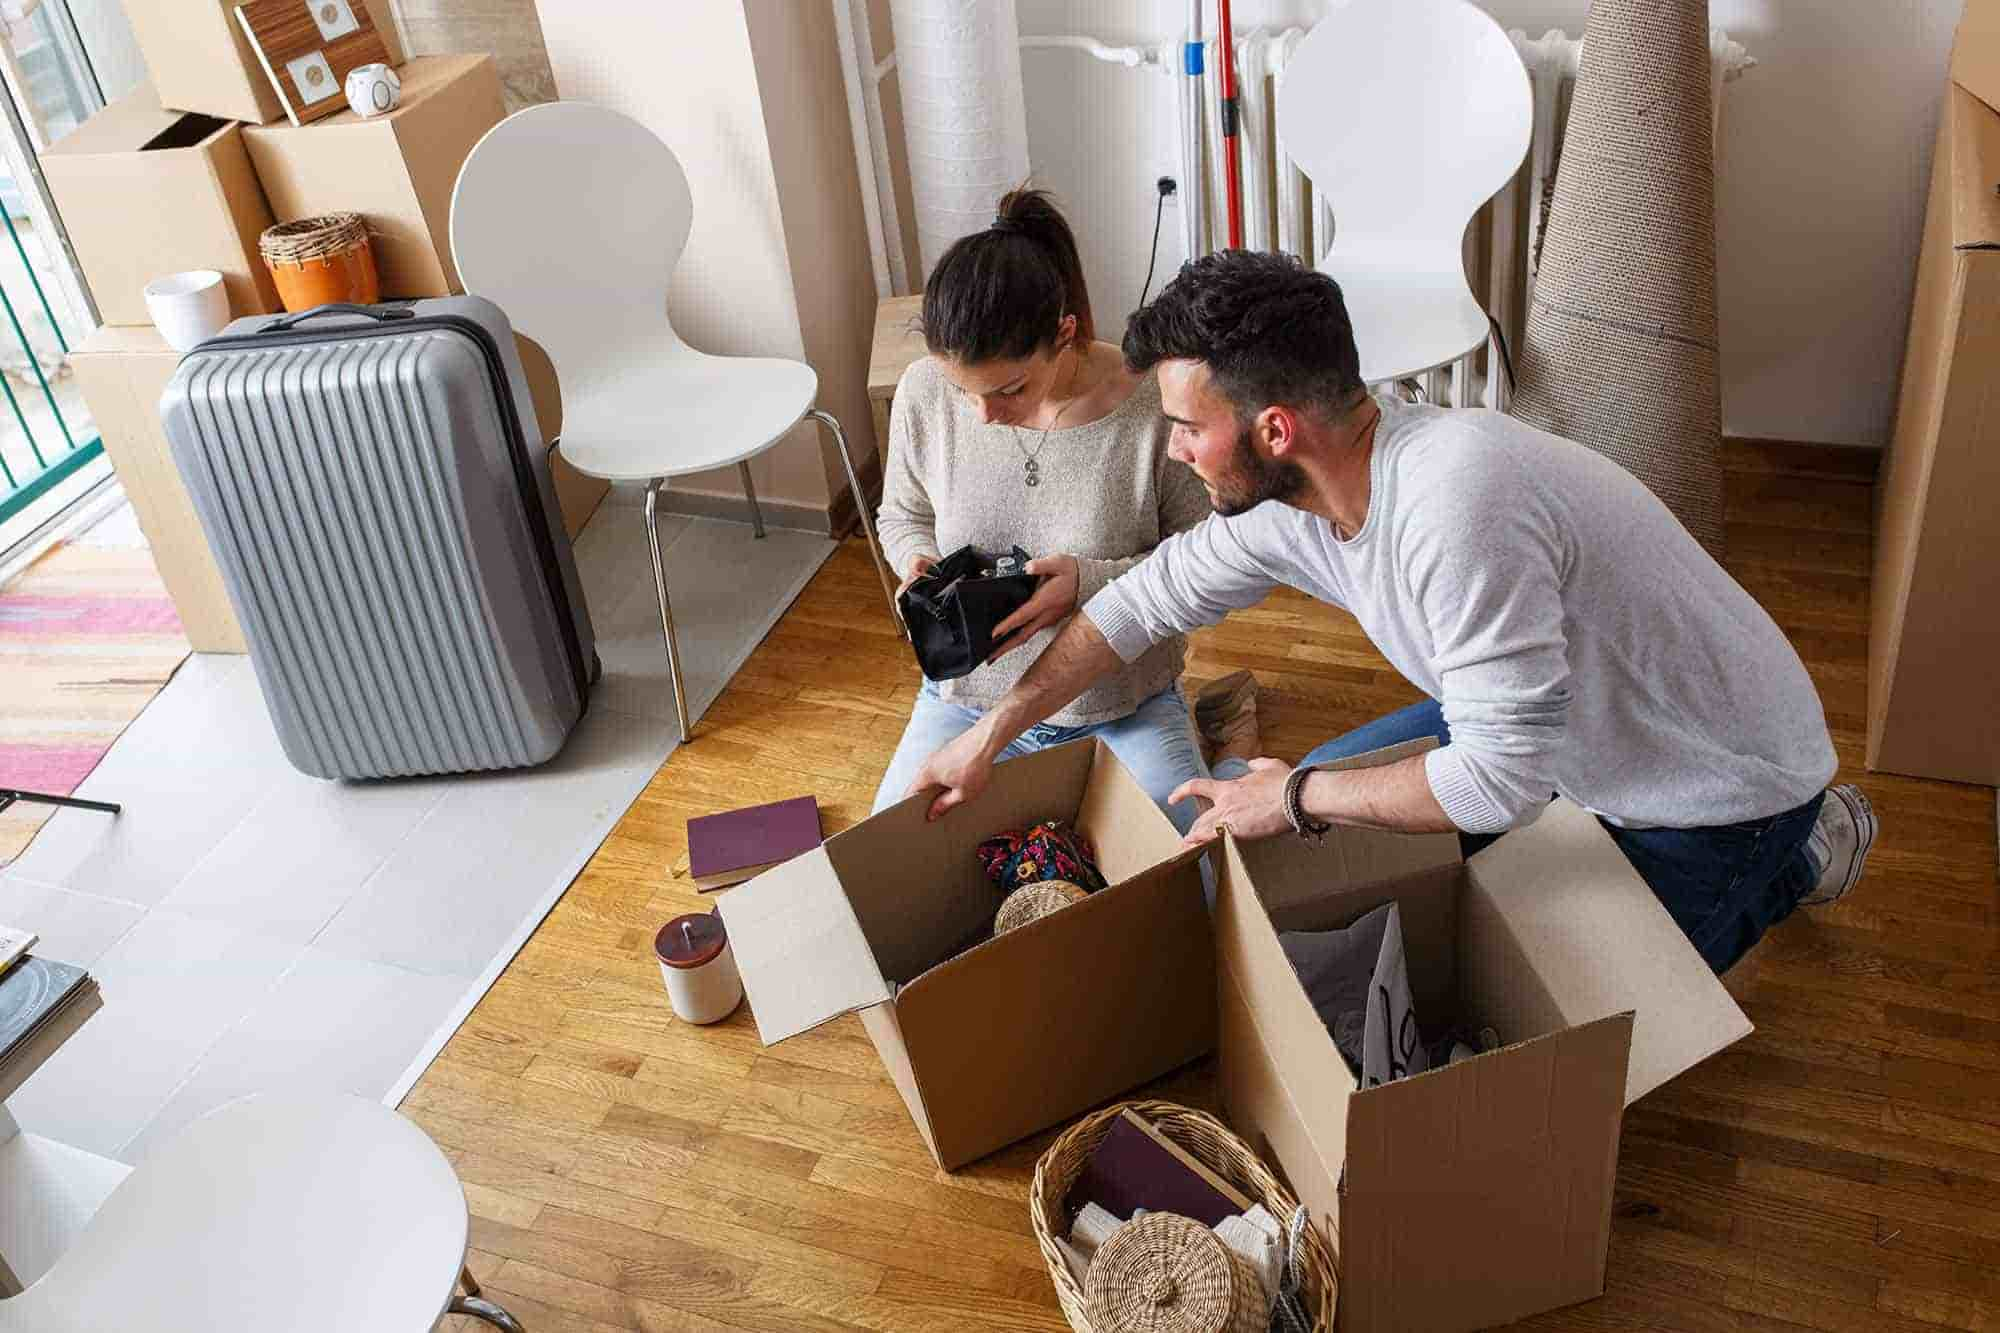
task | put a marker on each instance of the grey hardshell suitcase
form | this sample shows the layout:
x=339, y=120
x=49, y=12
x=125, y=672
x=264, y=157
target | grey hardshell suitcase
x=373, y=485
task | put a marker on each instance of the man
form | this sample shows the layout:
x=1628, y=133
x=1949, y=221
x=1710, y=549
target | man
x=1572, y=637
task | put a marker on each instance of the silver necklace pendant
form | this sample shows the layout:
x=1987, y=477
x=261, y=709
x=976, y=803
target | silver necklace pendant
x=1034, y=477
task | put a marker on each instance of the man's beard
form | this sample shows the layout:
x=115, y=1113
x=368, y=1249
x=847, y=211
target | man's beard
x=1253, y=479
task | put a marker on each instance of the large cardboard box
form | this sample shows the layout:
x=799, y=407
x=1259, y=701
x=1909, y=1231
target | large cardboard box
x=123, y=372
x=396, y=170
x=1020, y=1032
x=145, y=192
x=1933, y=708
x=1975, y=57
x=1478, y=1193
x=200, y=60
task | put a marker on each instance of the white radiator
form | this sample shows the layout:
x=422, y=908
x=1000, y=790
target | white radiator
x=1279, y=210
x=1280, y=213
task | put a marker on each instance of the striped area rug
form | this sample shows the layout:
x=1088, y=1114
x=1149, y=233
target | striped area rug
x=87, y=638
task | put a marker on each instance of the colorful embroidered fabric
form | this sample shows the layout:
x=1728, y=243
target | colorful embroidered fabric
x=1049, y=850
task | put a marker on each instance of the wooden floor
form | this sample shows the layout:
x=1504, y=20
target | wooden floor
x=1838, y=1170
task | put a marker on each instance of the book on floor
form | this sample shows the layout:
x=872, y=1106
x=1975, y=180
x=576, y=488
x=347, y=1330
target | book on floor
x=737, y=845
x=14, y=942
x=1136, y=1166
x=31, y=993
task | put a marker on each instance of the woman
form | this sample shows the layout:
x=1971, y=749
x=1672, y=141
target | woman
x=1020, y=429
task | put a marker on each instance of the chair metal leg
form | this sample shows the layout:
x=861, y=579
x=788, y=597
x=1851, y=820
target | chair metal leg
x=750, y=493
x=9, y=795
x=861, y=507
x=666, y=610
x=478, y=1307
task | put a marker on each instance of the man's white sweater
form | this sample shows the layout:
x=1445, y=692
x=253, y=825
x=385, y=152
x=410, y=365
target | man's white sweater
x=1580, y=641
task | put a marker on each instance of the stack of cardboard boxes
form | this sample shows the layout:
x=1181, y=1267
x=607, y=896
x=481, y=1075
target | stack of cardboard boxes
x=1933, y=632
x=187, y=172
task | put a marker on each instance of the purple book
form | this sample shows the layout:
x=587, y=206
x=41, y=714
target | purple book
x=1135, y=1166
x=736, y=845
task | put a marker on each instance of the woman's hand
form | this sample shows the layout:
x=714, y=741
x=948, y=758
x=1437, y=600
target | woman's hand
x=1052, y=603
x=918, y=568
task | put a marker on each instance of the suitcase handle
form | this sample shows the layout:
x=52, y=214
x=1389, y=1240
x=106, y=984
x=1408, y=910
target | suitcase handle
x=282, y=323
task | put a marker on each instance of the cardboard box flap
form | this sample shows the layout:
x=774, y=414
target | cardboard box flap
x=917, y=888
x=1356, y=858
x=803, y=956
x=1523, y=1143
x=1975, y=168
x=1123, y=822
x=1315, y=1079
x=1975, y=57
x=1602, y=944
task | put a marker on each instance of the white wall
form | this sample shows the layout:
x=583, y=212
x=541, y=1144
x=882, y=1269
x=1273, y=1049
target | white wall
x=1825, y=155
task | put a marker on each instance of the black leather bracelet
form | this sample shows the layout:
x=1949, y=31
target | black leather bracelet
x=1312, y=830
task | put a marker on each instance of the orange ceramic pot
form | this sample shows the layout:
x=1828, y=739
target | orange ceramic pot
x=317, y=261
x=346, y=276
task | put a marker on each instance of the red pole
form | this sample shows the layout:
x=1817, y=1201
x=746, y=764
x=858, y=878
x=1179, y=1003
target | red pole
x=1225, y=50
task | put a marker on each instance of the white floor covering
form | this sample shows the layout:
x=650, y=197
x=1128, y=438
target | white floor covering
x=255, y=928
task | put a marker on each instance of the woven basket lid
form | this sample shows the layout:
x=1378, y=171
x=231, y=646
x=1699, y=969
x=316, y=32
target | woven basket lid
x=1032, y=902
x=312, y=238
x=1162, y=1273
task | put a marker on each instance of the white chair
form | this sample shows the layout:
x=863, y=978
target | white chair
x=271, y=1214
x=571, y=218
x=1407, y=116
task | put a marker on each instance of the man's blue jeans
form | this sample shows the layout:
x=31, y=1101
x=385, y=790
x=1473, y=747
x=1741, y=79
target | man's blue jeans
x=1724, y=886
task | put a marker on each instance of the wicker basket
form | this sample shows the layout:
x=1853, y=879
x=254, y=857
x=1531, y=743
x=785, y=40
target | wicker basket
x=1034, y=901
x=1209, y=1141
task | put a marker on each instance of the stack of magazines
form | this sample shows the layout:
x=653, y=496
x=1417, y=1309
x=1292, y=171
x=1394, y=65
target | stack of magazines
x=41, y=1003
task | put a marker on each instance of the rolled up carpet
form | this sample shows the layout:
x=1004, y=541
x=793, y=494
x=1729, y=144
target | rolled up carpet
x=1620, y=352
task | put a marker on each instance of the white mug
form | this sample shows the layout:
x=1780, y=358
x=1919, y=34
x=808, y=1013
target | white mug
x=188, y=307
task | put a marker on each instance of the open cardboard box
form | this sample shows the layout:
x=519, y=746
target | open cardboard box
x=145, y=192
x=1478, y=1193
x=1028, y=1028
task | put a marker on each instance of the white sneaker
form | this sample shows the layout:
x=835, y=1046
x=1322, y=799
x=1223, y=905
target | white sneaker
x=1839, y=843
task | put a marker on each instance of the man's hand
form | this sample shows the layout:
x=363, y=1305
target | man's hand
x=961, y=768
x=1054, y=600
x=1253, y=806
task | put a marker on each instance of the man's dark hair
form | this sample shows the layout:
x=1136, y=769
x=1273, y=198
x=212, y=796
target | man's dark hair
x=1269, y=329
x=1001, y=293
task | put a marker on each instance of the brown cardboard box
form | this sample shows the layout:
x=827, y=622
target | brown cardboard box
x=123, y=371
x=1975, y=58
x=577, y=495
x=1028, y=1028
x=1479, y=1193
x=1933, y=710
x=146, y=192
x=396, y=170
x=200, y=60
